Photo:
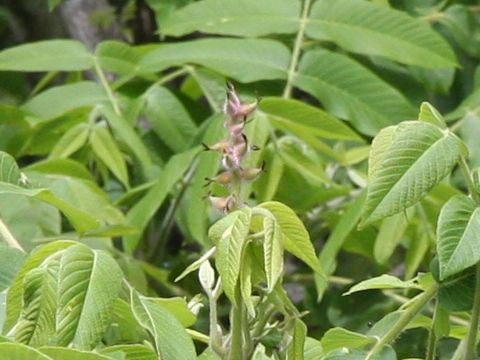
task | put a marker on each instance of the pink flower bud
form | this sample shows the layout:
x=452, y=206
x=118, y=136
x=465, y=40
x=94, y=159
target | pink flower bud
x=234, y=108
x=224, y=178
x=221, y=146
x=223, y=204
x=252, y=173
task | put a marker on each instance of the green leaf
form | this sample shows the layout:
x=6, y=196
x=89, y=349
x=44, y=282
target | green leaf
x=429, y=114
x=342, y=338
x=305, y=161
x=298, y=118
x=384, y=281
x=313, y=349
x=131, y=352
x=258, y=354
x=456, y=292
x=380, y=144
x=272, y=251
x=70, y=142
x=15, y=351
x=217, y=230
x=209, y=354
x=11, y=261
x=178, y=307
x=59, y=353
x=169, y=118
x=82, y=221
x=59, y=100
x=197, y=263
x=50, y=55
x=231, y=17
x=245, y=60
x=419, y=157
x=16, y=291
x=126, y=327
x=296, y=348
x=141, y=213
x=130, y=137
x=390, y=234
x=230, y=251
x=327, y=258
x=266, y=186
x=245, y=279
x=417, y=249
x=117, y=57
x=105, y=147
x=9, y=171
x=468, y=131
x=171, y=340
x=89, y=282
x=351, y=91
x=366, y=28
x=296, y=238
x=67, y=167
x=36, y=326
x=458, y=236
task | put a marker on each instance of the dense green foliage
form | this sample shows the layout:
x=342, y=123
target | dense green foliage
x=358, y=239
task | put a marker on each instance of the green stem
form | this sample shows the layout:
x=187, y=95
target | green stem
x=236, y=330
x=262, y=321
x=296, y=49
x=196, y=335
x=171, y=76
x=106, y=86
x=470, y=348
x=247, y=339
x=208, y=95
x=169, y=218
x=8, y=237
x=403, y=321
x=468, y=178
x=215, y=341
x=432, y=337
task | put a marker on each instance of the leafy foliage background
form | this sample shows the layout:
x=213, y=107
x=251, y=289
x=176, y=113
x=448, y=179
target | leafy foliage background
x=101, y=162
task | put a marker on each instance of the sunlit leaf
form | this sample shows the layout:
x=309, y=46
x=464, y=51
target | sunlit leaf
x=50, y=55
x=419, y=157
x=296, y=238
x=245, y=60
x=230, y=251
x=351, y=91
x=89, y=282
x=299, y=118
x=36, y=326
x=230, y=17
x=59, y=100
x=16, y=291
x=382, y=282
x=171, y=340
x=273, y=251
x=366, y=28
x=342, y=338
x=105, y=147
x=458, y=235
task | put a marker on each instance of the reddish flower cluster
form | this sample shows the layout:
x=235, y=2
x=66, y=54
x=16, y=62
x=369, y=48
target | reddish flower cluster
x=233, y=149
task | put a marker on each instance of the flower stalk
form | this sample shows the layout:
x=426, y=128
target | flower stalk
x=234, y=149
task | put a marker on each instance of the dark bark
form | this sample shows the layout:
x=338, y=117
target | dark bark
x=77, y=18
